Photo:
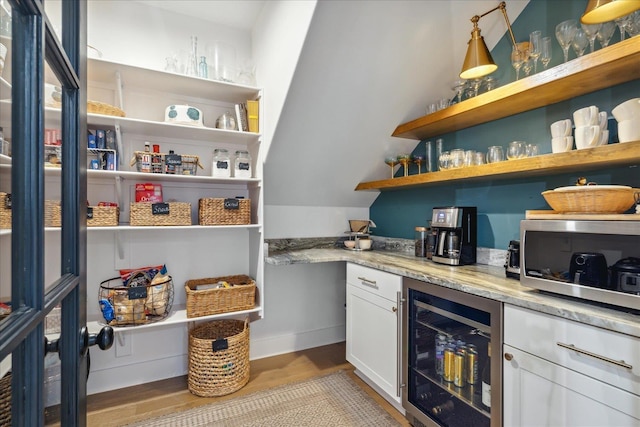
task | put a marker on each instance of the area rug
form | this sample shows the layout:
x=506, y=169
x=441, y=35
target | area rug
x=331, y=400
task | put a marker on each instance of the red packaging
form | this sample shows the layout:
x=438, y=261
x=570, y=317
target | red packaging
x=148, y=192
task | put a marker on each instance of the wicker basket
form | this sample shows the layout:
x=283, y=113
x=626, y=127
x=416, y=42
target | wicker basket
x=154, y=214
x=205, y=302
x=224, y=211
x=5, y=211
x=96, y=107
x=189, y=163
x=103, y=216
x=592, y=199
x=5, y=401
x=133, y=306
x=218, y=357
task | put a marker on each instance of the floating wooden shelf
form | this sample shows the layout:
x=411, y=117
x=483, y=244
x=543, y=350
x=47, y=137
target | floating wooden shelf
x=612, y=155
x=613, y=65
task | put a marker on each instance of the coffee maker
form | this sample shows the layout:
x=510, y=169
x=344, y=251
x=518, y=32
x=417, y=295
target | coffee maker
x=456, y=235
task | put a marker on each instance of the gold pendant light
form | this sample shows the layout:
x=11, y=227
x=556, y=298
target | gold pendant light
x=599, y=11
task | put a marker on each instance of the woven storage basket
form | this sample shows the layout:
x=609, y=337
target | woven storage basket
x=218, y=357
x=224, y=211
x=240, y=296
x=141, y=213
x=52, y=213
x=591, y=199
x=102, y=216
x=5, y=212
x=96, y=107
x=5, y=401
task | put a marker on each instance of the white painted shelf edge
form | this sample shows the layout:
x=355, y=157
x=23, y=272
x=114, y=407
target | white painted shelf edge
x=177, y=316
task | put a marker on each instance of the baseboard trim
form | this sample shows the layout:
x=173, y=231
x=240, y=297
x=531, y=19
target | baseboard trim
x=281, y=344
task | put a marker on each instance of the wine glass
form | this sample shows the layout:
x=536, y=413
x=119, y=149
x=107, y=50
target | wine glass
x=475, y=84
x=517, y=59
x=605, y=33
x=545, y=56
x=458, y=87
x=580, y=42
x=633, y=26
x=591, y=31
x=535, y=48
x=565, y=31
x=622, y=23
x=403, y=159
x=418, y=159
x=391, y=161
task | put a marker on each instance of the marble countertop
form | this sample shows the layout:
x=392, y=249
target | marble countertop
x=482, y=280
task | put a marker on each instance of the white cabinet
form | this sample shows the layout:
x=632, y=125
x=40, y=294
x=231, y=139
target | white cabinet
x=373, y=328
x=560, y=372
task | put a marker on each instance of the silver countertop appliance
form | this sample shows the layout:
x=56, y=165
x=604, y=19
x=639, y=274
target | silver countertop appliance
x=455, y=229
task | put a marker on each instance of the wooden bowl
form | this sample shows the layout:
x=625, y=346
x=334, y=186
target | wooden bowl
x=591, y=199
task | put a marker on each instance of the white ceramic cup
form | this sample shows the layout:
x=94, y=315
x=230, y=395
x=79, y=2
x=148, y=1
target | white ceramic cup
x=561, y=128
x=587, y=136
x=365, y=244
x=629, y=130
x=628, y=110
x=603, y=120
x=604, y=137
x=562, y=144
x=587, y=116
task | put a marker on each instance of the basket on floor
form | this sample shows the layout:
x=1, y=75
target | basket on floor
x=240, y=295
x=5, y=400
x=218, y=357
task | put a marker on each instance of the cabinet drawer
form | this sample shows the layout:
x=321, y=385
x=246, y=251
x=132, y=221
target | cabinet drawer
x=608, y=356
x=381, y=283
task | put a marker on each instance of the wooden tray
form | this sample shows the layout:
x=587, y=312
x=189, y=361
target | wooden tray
x=544, y=214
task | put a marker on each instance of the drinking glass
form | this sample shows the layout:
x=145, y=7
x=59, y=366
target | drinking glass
x=565, y=31
x=475, y=84
x=605, y=33
x=545, y=56
x=469, y=157
x=580, y=42
x=443, y=160
x=516, y=150
x=403, y=159
x=531, y=150
x=478, y=158
x=495, y=154
x=418, y=160
x=622, y=23
x=458, y=87
x=591, y=31
x=391, y=161
x=517, y=59
x=633, y=26
x=456, y=159
x=490, y=83
x=535, y=48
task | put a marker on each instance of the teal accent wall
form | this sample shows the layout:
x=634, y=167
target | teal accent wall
x=502, y=203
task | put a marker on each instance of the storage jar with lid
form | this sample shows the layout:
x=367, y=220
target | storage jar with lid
x=421, y=241
x=220, y=165
x=242, y=167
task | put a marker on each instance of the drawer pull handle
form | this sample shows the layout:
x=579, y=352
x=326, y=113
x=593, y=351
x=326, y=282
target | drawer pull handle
x=508, y=357
x=370, y=283
x=572, y=347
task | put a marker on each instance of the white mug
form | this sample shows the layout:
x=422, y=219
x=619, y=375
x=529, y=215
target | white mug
x=587, y=136
x=561, y=144
x=561, y=128
x=587, y=116
x=604, y=137
x=629, y=130
x=629, y=109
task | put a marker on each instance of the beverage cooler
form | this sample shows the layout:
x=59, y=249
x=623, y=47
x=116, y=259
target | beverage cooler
x=451, y=357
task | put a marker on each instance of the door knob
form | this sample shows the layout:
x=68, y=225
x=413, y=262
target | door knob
x=104, y=339
x=508, y=357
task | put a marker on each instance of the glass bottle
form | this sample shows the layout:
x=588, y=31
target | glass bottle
x=486, y=380
x=156, y=159
x=421, y=242
x=203, y=71
x=145, y=158
x=242, y=164
x=220, y=165
x=191, y=68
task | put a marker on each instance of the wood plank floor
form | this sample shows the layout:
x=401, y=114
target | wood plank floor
x=119, y=407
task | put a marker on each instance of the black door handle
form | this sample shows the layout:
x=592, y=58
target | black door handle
x=104, y=340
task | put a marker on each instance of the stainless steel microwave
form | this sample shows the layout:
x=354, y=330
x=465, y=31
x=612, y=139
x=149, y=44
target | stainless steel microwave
x=592, y=260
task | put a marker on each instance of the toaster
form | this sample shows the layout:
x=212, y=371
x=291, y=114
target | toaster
x=512, y=263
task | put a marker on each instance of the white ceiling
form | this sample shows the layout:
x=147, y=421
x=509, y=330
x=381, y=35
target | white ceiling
x=240, y=14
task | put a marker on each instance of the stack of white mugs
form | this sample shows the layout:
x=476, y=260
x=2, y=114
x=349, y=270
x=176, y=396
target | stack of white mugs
x=591, y=127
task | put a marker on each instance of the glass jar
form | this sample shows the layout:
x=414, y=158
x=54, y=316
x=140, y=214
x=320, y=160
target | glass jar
x=220, y=167
x=242, y=167
x=421, y=241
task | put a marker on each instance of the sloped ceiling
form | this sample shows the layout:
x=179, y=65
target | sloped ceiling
x=366, y=66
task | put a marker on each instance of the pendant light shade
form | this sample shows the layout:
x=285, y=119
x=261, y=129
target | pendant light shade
x=599, y=11
x=478, y=61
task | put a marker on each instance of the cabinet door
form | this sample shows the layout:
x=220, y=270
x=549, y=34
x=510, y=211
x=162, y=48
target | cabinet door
x=540, y=393
x=372, y=338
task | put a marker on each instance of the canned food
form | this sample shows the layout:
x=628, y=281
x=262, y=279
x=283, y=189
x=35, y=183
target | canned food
x=459, y=369
x=441, y=342
x=449, y=368
x=472, y=364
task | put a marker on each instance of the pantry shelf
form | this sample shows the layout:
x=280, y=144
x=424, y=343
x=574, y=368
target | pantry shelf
x=627, y=153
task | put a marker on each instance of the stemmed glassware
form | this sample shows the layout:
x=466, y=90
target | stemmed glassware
x=622, y=23
x=580, y=42
x=545, y=56
x=418, y=159
x=458, y=87
x=403, y=159
x=475, y=84
x=535, y=48
x=391, y=161
x=517, y=59
x=605, y=33
x=591, y=31
x=565, y=31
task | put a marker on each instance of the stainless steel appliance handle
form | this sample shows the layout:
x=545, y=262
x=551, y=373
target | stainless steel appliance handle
x=370, y=283
x=399, y=301
x=572, y=347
